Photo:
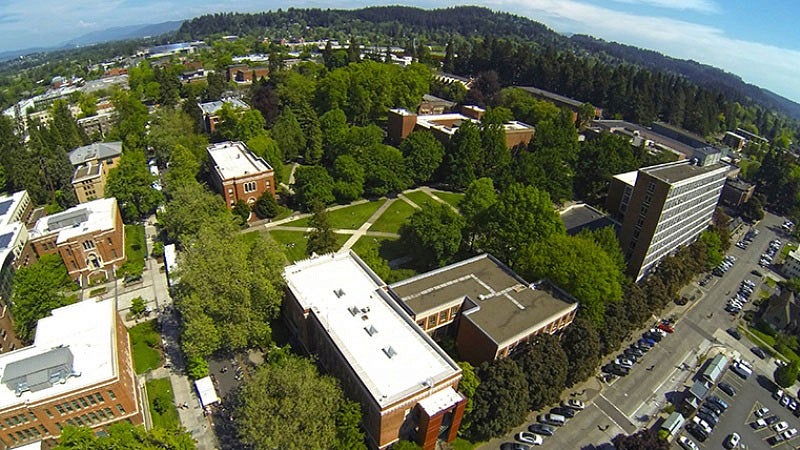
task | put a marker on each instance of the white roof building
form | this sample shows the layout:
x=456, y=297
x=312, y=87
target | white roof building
x=85, y=218
x=234, y=160
x=13, y=206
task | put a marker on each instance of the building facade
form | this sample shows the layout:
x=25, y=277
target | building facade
x=488, y=308
x=791, y=264
x=89, y=238
x=238, y=174
x=736, y=192
x=92, y=164
x=210, y=111
x=78, y=372
x=406, y=385
x=244, y=74
x=663, y=207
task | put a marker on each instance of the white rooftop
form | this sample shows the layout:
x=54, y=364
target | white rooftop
x=367, y=326
x=206, y=391
x=9, y=237
x=213, y=107
x=440, y=401
x=10, y=204
x=87, y=330
x=628, y=178
x=234, y=160
x=82, y=219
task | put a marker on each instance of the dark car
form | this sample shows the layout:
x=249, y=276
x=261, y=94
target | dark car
x=718, y=401
x=620, y=371
x=756, y=273
x=646, y=342
x=727, y=388
x=705, y=415
x=569, y=413
x=772, y=420
x=540, y=428
x=735, y=333
x=636, y=350
x=758, y=351
x=514, y=446
x=632, y=357
x=697, y=431
x=654, y=335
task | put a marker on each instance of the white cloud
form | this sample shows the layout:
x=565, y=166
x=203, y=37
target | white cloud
x=704, y=6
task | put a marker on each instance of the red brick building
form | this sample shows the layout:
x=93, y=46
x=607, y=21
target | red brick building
x=90, y=238
x=238, y=174
x=78, y=372
x=244, y=74
x=406, y=384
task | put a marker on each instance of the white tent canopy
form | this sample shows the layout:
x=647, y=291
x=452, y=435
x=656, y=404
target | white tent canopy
x=206, y=391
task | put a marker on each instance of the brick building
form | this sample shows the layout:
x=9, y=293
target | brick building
x=401, y=123
x=92, y=163
x=90, y=238
x=244, y=74
x=14, y=251
x=665, y=206
x=736, y=192
x=78, y=372
x=487, y=307
x=406, y=385
x=238, y=174
x=210, y=111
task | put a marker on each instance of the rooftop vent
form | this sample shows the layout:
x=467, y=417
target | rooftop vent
x=371, y=330
x=338, y=292
x=354, y=310
x=389, y=351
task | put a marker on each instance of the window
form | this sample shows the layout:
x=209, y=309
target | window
x=443, y=316
x=432, y=321
x=250, y=186
x=83, y=402
x=99, y=397
x=121, y=409
x=113, y=253
x=49, y=414
x=112, y=395
x=59, y=409
x=421, y=323
x=110, y=242
x=88, y=245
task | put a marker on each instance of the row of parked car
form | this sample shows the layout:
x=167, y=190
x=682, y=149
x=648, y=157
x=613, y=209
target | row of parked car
x=748, y=238
x=737, y=302
x=781, y=428
x=703, y=423
x=725, y=265
x=623, y=363
x=546, y=425
x=766, y=257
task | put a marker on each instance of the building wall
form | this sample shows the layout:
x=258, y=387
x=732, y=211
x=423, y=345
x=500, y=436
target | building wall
x=616, y=192
x=517, y=137
x=90, y=189
x=430, y=426
x=735, y=197
x=791, y=266
x=473, y=344
x=234, y=189
x=96, y=406
x=399, y=126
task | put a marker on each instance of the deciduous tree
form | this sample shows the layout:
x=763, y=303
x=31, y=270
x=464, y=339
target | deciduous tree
x=312, y=183
x=581, y=344
x=433, y=235
x=544, y=363
x=131, y=184
x=501, y=399
x=37, y=289
x=321, y=239
x=423, y=154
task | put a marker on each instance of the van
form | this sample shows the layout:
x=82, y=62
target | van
x=556, y=420
x=742, y=370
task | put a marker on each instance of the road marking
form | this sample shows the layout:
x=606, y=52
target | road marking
x=668, y=378
x=632, y=423
x=608, y=417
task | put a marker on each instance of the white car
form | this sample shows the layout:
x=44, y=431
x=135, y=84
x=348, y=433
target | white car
x=762, y=412
x=777, y=394
x=790, y=433
x=687, y=443
x=702, y=424
x=784, y=401
x=529, y=438
x=759, y=424
x=780, y=426
x=574, y=404
x=732, y=441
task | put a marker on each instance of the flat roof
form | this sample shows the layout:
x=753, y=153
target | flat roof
x=85, y=218
x=206, y=391
x=86, y=172
x=646, y=133
x=678, y=171
x=628, y=178
x=580, y=216
x=551, y=95
x=87, y=330
x=508, y=307
x=389, y=353
x=233, y=160
x=213, y=107
x=9, y=236
x=9, y=204
x=95, y=151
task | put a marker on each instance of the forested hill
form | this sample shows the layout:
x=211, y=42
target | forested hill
x=401, y=24
x=701, y=74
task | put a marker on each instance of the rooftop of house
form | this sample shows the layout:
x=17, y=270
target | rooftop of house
x=391, y=355
x=633, y=129
x=85, y=218
x=783, y=310
x=87, y=172
x=79, y=339
x=9, y=204
x=210, y=108
x=233, y=160
x=739, y=184
x=580, y=216
x=95, y=151
x=552, y=96
x=679, y=171
x=506, y=306
x=449, y=122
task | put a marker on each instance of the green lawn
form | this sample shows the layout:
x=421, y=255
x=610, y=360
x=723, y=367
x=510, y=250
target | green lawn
x=162, y=404
x=146, y=345
x=303, y=223
x=454, y=198
x=295, y=243
x=135, y=250
x=352, y=217
x=396, y=215
x=786, y=249
x=421, y=199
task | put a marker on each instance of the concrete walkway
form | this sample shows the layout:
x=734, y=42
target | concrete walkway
x=433, y=195
x=362, y=230
x=408, y=200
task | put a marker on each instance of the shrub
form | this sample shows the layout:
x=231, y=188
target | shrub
x=197, y=368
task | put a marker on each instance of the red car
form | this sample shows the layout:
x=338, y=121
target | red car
x=666, y=327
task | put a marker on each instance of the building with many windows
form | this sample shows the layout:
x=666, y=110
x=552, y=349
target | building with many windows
x=77, y=372
x=406, y=384
x=665, y=206
x=92, y=163
x=489, y=309
x=210, y=111
x=238, y=174
x=89, y=238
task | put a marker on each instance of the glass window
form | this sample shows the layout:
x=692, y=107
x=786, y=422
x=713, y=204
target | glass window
x=443, y=316
x=111, y=395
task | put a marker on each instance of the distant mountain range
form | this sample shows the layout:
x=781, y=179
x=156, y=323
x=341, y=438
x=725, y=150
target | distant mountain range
x=101, y=36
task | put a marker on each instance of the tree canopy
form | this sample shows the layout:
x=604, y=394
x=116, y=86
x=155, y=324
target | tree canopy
x=36, y=290
x=124, y=436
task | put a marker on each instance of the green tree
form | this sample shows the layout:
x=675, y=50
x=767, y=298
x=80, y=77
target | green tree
x=349, y=176
x=423, y=154
x=312, y=184
x=384, y=170
x=264, y=146
x=138, y=306
x=170, y=128
x=348, y=434
x=467, y=386
x=288, y=134
x=131, y=184
x=132, y=116
x=241, y=211
x=36, y=290
x=333, y=125
x=433, y=235
x=190, y=206
x=598, y=160
x=581, y=344
x=266, y=207
x=124, y=436
x=544, y=363
x=463, y=155
x=786, y=375
x=714, y=251
x=479, y=197
x=289, y=398
x=753, y=210
x=646, y=439
x=501, y=399
x=606, y=238
x=521, y=215
x=321, y=239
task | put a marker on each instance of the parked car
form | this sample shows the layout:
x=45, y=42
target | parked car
x=574, y=404
x=569, y=413
x=761, y=412
x=784, y=401
x=713, y=407
x=702, y=424
x=636, y=351
x=781, y=426
x=687, y=443
x=708, y=418
x=759, y=424
x=726, y=388
x=697, y=431
x=555, y=420
x=666, y=327
x=735, y=333
x=529, y=438
x=514, y=446
x=758, y=351
x=624, y=362
x=790, y=433
x=732, y=441
x=778, y=394
x=718, y=401
x=772, y=420
x=543, y=429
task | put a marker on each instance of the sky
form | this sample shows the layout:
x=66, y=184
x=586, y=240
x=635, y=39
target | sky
x=758, y=40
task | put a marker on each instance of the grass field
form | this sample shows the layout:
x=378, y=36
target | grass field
x=350, y=217
x=395, y=216
x=162, y=404
x=421, y=199
x=453, y=198
x=295, y=243
x=146, y=344
x=135, y=250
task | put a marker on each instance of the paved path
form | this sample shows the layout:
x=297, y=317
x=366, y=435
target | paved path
x=432, y=193
x=362, y=230
x=408, y=200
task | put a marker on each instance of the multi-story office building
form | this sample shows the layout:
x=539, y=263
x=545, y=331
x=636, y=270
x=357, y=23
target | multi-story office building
x=92, y=163
x=78, y=372
x=665, y=206
x=238, y=174
x=406, y=384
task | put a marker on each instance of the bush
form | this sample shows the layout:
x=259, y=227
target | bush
x=158, y=250
x=197, y=368
x=138, y=307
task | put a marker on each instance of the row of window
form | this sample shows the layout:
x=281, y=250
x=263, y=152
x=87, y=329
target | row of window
x=442, y=317
x=92, y=417
x=18, y=419
x=80, y=403
x=28, y=434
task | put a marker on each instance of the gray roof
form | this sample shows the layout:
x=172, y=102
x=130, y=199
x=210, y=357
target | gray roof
x=95, y=151
x=39, y=371
x=213, y=107
x=552, y=96
x=699, y=390
x=783, y=312
x=680, y=170
x=583, y=216
x=715, y=368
